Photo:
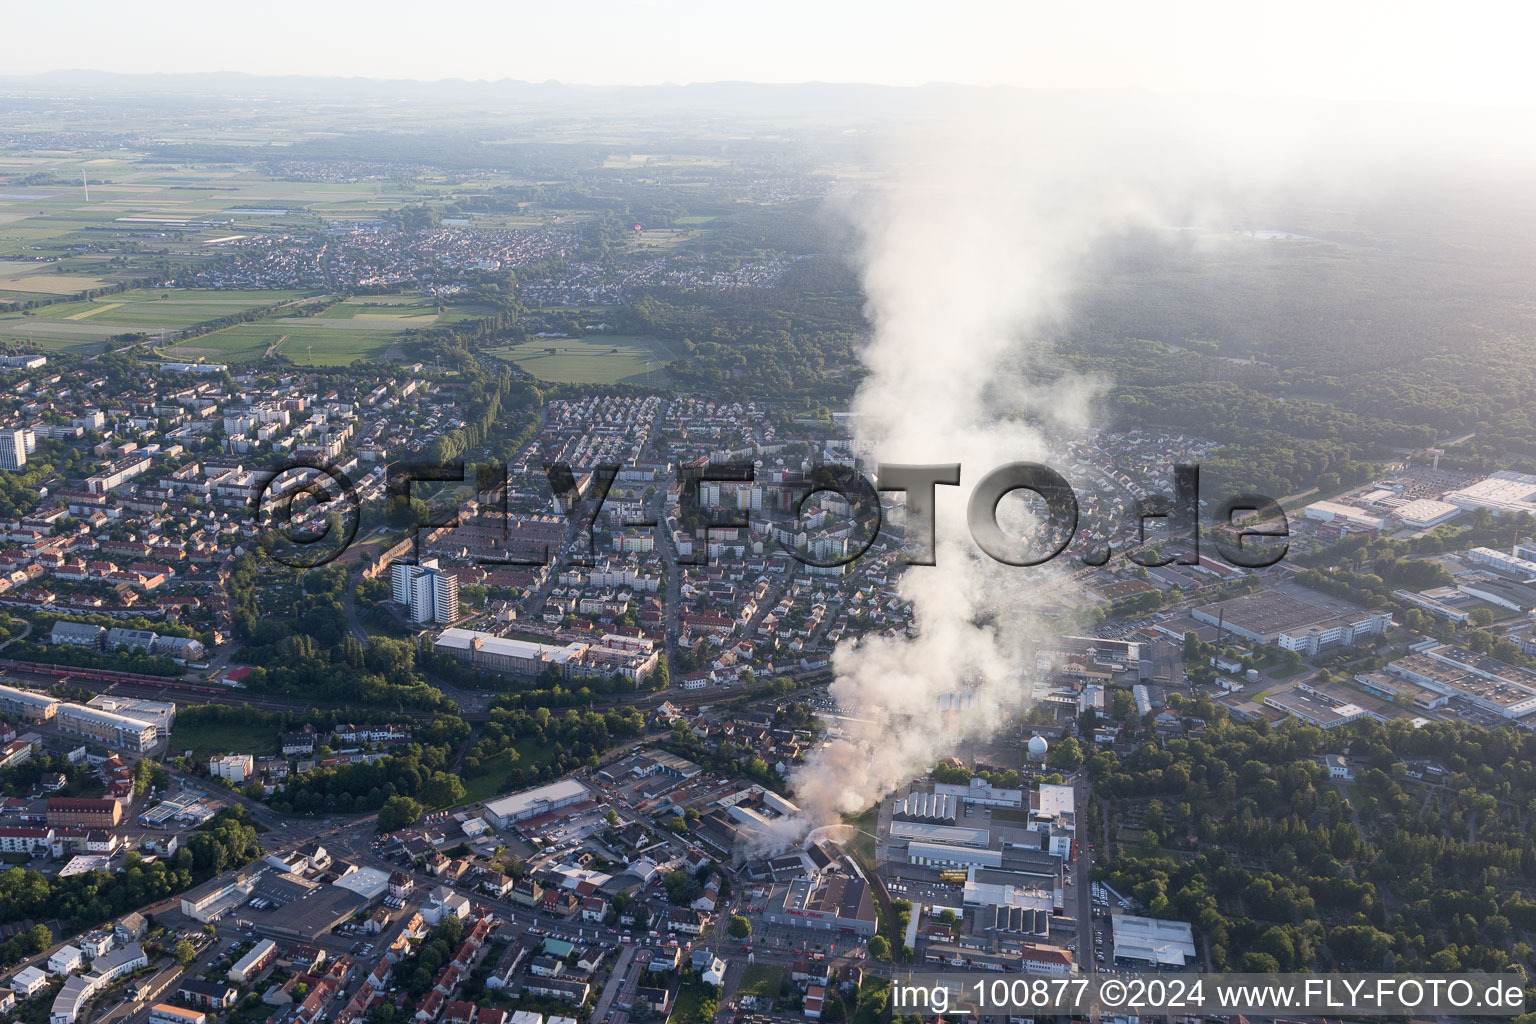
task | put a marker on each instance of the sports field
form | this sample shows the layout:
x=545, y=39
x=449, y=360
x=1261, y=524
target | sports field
x=591, y=360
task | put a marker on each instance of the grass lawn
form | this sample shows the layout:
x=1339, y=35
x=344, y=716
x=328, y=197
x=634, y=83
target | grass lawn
x=223, y=738
x=760, y=980
x=593, y=360
x=483, y=787
x=493, y=782
x=530, y=752
x=690, y=1000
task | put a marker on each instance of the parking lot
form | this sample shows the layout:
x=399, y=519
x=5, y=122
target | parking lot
x=1105, y=902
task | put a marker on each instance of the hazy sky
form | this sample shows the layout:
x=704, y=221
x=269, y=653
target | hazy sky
x=1359, y=49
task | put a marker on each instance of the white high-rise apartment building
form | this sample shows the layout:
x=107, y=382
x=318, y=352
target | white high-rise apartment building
x=13, y=449
x=445, y=597
x=430, y=594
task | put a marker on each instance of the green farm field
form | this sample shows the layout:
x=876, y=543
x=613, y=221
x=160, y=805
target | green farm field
x=359, y=328
x=84, y=326
x=294, y=338
x=591, y=360
x=157, y=210
x=405, y=310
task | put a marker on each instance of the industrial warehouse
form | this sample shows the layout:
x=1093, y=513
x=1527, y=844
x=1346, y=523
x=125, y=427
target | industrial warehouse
x=959, y=828
x=997, y=858
x=614, y=657
x=1306, y=626
x=1501, y=689
x=508, y=810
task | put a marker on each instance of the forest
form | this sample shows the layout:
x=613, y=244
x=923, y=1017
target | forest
x=796, y=342
x=1240, y=832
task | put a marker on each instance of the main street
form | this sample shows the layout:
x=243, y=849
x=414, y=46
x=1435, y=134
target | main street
x=1082, y=858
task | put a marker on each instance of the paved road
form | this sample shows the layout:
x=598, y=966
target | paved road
x=1082, y=866
x=26, y=631
x=616, y=981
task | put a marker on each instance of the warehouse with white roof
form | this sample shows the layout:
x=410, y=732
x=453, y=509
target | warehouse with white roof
x=531, y=803
x=1152, y=942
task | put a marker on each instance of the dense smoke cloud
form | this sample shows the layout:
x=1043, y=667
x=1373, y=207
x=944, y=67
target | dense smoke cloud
x=967, y=260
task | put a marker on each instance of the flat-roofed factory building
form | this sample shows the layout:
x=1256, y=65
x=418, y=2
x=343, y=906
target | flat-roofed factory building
x=1294, y=625
x=1508, y=691
x=1151, y=942
x=531, y=803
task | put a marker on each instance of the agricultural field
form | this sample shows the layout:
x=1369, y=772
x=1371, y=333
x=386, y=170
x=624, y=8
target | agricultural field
x=148, y=212
x=591, y=360
x=401, y=311
x=84, y=326
x=357, y=328
x=42, y=223
x=27, y=279
x=292, y=337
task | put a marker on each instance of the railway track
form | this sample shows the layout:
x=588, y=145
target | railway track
x=131, y=684
x=48, y=676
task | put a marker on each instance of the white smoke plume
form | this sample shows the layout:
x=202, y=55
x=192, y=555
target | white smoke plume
x=968, y=257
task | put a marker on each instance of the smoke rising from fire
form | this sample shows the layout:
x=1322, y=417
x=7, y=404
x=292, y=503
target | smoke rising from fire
x=967, y=262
